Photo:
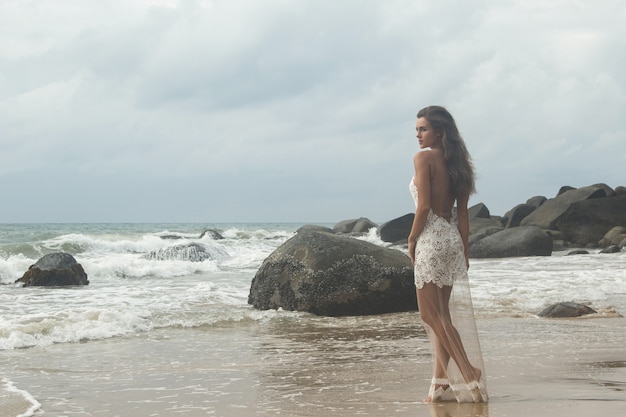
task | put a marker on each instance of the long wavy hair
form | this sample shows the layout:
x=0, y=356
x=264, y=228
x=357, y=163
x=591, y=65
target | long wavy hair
x=455, y=154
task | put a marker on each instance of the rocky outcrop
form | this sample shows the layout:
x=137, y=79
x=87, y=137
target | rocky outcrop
x=191, y=252
x=54, y=270
x=576, y=217
x=358, y=226
x=547, y=215
x=586, y=222
x=517, y=241
x=560, y=310
x=331, y=275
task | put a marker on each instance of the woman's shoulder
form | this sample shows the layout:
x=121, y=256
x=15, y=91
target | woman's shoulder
x=427, y=155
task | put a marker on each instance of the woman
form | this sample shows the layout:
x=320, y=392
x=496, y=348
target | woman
x=439, y=252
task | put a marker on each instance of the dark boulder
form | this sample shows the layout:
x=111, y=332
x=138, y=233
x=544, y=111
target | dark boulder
x=536, y=201
x=314, y=227
x=547, y=215
x=191, y=252
x=613, y=237
x=478, y=211
x=564, y=189
x=516, y=214
x=611, y=249
x=478, y=224
x=586, y=222
x=517, y=241
x=54, y=270
x=483, y=233
x=566, y=310
x=396, y=230
x=361, y=225
x=333, y=275
x=579, y=252
x=621, y=190
x=212, y=233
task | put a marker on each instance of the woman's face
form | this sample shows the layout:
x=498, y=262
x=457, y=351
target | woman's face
x=426, y=135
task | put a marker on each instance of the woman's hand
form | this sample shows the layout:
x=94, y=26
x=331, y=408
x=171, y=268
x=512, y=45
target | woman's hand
x=412, y=242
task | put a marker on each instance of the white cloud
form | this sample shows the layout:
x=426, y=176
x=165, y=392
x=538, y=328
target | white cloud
x=307, y=105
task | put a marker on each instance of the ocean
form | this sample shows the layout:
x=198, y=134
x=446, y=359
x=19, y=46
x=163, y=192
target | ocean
x=160, y=336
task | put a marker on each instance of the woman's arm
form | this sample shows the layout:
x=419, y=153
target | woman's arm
x=422, y=178
x=463, y=224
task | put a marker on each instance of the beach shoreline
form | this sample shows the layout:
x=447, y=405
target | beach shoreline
x=376, y=366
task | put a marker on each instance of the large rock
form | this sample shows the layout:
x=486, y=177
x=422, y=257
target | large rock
x=613, y=237
x=568, y=309
x=191, y=252
x=332, y=275
x=515, y=216
x=536, y=201
x=478, y=224
x=517, y=241
x=478, y=211
x=54, y=270
x=586, y=222
x=547, y=215
x=396, y=230
x=361, y=225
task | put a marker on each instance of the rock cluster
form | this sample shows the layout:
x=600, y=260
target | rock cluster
x=322, y=271
x=591, y=216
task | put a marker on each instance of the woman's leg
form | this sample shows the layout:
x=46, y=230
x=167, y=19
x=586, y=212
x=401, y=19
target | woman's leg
x=433, y=303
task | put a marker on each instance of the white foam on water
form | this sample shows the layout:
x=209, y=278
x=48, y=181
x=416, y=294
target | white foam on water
x=32, y=405
x=527, y=285
x=129, y=294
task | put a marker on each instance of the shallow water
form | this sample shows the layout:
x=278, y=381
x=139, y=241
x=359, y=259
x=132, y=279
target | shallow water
x=150, y=337
x=310, y=366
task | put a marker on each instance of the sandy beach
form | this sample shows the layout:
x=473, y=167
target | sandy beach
x=324, y=366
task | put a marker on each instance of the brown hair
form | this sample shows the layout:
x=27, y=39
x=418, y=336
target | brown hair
x=455, y=154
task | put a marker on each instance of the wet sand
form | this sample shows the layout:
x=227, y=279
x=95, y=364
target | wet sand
x=306, y=366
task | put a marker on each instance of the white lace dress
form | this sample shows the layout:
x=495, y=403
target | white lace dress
x=439, y=256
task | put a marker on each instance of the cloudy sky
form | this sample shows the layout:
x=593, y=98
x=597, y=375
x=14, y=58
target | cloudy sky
x=298, y=110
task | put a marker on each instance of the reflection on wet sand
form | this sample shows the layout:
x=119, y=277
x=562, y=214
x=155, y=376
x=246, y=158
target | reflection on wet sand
x=459, y=410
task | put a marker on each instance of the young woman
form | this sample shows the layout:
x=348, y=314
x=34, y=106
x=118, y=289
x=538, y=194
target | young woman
x=439, y=251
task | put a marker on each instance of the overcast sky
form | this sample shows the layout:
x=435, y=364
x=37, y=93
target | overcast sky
x=300, y=110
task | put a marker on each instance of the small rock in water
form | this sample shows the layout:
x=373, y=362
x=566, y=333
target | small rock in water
x=578, y=252
x=567, y=309
x=192, y=252
x=212, y=233
x=611, y=249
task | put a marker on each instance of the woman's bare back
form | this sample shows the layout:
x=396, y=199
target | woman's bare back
x=441, y=199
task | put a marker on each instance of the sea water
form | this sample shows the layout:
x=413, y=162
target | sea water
x=133, y=295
